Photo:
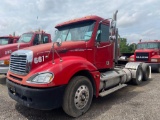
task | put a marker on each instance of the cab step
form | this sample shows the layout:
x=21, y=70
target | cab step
x=107, y=92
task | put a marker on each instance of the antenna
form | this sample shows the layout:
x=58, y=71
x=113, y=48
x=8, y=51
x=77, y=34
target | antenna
x=37, y=23
x=14, y=33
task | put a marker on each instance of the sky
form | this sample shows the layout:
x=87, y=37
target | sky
x=137, y=19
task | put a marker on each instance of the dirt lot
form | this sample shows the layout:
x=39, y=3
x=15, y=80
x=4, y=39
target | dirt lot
x=130, y=103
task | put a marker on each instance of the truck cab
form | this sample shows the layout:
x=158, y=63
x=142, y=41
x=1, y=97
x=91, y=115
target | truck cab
x=26, y=40
x=87, y=39
x=5, y=40
x=79, y=64
x=149, y=52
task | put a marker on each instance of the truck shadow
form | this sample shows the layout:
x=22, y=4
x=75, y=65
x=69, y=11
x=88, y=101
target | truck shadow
x=3, y=79
x=98, y=107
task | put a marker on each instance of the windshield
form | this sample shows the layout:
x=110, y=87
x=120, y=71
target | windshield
x=25, y=38
x=148, y=45
x=4, y=41
x=79, y=31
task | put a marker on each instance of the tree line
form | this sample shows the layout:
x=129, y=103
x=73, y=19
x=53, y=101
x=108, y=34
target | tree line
x=126, y=47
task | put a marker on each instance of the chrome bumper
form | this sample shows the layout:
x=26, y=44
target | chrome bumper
x=4, y=69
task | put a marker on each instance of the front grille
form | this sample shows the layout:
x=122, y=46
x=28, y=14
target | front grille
x=144, y=56
x=17, y=78
x=18, y=64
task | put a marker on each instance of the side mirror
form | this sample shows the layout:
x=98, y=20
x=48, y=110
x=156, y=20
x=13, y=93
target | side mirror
x=113, y=24
x=56, y=32
x=59, y=42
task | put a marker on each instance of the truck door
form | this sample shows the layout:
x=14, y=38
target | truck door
x=40, y=39
x=103, y=48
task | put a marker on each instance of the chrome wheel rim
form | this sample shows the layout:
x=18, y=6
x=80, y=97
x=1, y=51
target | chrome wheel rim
x=140, y=75
x=81, y=97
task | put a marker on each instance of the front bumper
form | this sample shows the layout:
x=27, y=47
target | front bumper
x=4, y=69
x=154, y=66
x=38, y=98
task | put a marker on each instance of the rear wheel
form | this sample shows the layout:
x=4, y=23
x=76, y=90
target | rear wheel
x=146, y=72
x=78, y=96
x=158, y=70
x=139, y=76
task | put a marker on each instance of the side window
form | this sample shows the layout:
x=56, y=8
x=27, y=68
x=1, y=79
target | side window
x=68, y=37
x=5, y=41
x=45, y=39
x=11, y=41
x=40, y=39
x=103, y=33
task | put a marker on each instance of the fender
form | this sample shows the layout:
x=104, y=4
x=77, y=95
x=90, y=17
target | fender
x=69, y=67
x=63, y=71
x=156, y=57
x=132, y=56
x=5, y=57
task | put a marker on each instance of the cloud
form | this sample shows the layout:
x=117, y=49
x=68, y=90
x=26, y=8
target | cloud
x=45, y=5
x=129, y=19
x=133, y=38
x=13, y=3
x=150, y=34
x=136, y=20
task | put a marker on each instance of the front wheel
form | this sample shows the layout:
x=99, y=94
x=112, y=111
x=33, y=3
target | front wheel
x=78, y=96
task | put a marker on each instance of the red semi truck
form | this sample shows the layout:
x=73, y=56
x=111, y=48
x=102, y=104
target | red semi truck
x=80, y=64
x=4, y=40
x=149, y=52
x=26, y=40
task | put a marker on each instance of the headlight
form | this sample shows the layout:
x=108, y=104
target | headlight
x=41, y=78
x=154, y=60
x=131, y=59
x=4, y=62
x=1, y=62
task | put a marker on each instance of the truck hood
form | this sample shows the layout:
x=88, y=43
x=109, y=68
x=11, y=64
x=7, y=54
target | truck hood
x=152, y=52
x=6, y=50
x=43, y=54
x=65, y=46
x=146, y=50
x=145, y=55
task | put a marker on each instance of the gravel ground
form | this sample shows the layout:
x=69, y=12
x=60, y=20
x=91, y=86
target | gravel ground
x=130, y=103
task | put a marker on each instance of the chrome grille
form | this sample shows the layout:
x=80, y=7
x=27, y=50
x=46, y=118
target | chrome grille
x=18, y=64
x=144, y=56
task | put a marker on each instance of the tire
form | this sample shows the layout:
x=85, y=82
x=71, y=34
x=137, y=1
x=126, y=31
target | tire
x=158, y=70
x=139, y=76
x=78, y=96
x=146, y=71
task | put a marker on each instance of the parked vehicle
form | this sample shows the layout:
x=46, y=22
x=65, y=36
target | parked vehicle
x=26, y=40
x=149, y=52
x=80, y=64
x=4, y=40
